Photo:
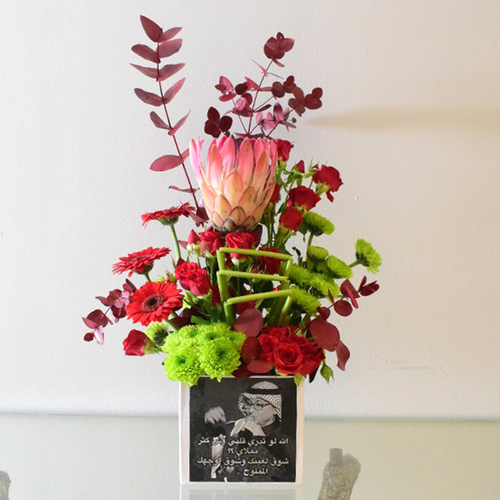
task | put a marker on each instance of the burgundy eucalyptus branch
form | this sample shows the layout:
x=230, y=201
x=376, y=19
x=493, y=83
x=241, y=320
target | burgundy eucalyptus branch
x=166, y=46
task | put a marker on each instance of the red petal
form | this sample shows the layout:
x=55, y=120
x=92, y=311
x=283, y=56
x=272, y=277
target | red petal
x=146, y=52
x=250, y=349
x=343, y=355
x=249, y=322
x=325, y=334
x=259, y=366
x=168, y=70
x=151, y=72
x=342, y=307
x=158, y=121
x=178, y=125
x=153, y=31
x=148, y=97
x=167, y=35
x=169, y=48
x=187, y=190
x=88, y=337
x=172, y=91
x=167, y=162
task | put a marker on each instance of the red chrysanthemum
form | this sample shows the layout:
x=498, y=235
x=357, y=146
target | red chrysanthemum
x=139, y=262
x=167, y=216
x=154, y=301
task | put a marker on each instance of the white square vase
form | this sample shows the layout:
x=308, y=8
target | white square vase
x=242, y=430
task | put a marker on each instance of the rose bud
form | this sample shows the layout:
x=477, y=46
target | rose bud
x=327, y=181
x=242, y=241
x=138, y=344
x=290, y=220
x=303, y=198
x=211, y=241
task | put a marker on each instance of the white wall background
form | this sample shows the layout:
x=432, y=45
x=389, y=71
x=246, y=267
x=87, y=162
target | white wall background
x=411, y=117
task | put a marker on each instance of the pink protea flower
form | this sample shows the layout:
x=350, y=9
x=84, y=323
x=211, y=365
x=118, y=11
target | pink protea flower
x=237, y=180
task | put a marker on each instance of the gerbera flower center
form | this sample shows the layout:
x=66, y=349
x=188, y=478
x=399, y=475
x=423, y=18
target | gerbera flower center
x=153, y=302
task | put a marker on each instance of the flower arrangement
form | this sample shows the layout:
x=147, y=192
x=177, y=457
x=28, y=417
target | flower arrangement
x=239, y=299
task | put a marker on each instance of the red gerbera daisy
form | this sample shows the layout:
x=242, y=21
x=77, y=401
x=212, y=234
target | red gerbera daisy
x=140, y=262
x=154, y=301
x=170, y=215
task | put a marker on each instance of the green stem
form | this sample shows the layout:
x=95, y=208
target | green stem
x=354, y=263
x=309, y=242
x=176, y=242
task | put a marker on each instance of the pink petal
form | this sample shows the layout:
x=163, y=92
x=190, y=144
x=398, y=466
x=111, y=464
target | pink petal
x=214, y=166
x=227, y=153
x=246, y=160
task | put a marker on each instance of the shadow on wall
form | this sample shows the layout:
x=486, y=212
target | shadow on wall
x=453, y=118
x=4, y=485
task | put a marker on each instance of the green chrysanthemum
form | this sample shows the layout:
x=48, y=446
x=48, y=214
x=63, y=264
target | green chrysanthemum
x=304, y=301
x=338, y=268
x=185, y=336
x=219, y=358
x=184, y=366
x=317, y=224
x=158, y=332
x=367, y=256
x=317, y=254
x=324, y=285
x=236, y=339
x=300, y=276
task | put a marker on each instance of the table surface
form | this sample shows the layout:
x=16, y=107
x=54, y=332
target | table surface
x=103, y=457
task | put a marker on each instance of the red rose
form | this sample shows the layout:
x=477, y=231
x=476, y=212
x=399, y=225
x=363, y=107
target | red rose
x=211, y=241
x=327, y=181
x=242, y=241
x=287, y=357
x=270, y=265
x=279, y=331
x=303, y=197
x=138, y=344
x=193, y=278
x=267, y=345
x=300, y=166
x=291, y=218
x=312, y=354
x=284, y=148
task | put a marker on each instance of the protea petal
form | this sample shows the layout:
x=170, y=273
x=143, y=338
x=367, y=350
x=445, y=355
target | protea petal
x=214, y=161
x=247, y=200
x=195, y=153
x=238, y=216
x=208, y=197
x=233, y=187
x=246, y=160
x=222, y=206
x=227, y=152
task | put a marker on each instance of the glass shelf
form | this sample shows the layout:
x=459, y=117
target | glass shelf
x=98, y=457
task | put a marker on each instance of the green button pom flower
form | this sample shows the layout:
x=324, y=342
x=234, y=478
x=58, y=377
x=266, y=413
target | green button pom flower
x=304, y=301
x=367, y=256
x=158, y=332
x=219, y=358
x=183, y=365
x=317, y=224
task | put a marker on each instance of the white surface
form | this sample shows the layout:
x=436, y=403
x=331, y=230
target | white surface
x=122, y=458
x=411, y=117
